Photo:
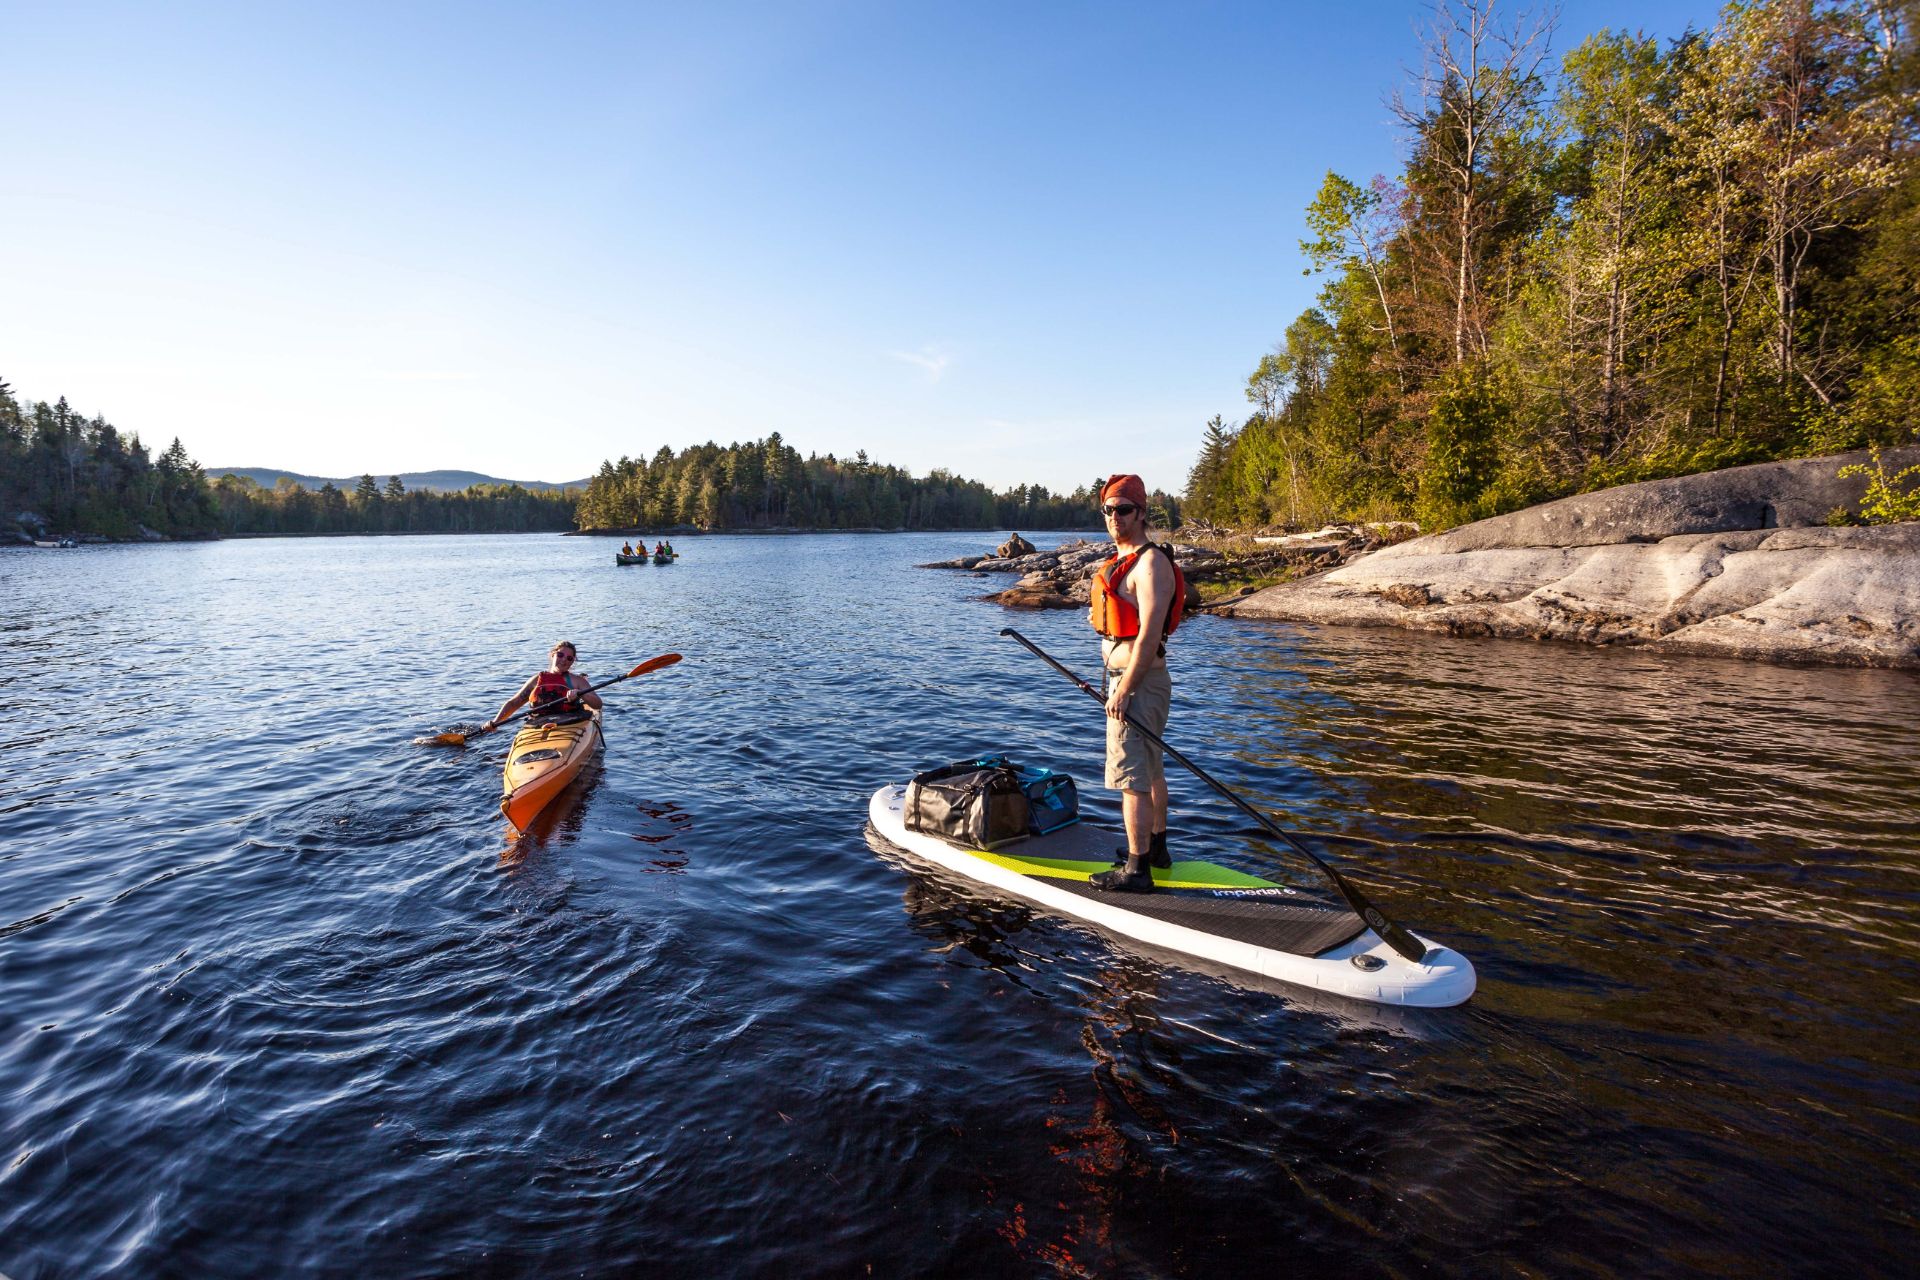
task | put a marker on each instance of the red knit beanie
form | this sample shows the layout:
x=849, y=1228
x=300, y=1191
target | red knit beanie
x=1124, y=489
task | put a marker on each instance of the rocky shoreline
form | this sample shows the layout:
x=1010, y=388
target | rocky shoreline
x=1061, y=578
x=1738, y=563
x=30, y=530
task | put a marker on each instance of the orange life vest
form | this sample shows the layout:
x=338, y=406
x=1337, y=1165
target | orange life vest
x=1118, y=618
x=551, y=687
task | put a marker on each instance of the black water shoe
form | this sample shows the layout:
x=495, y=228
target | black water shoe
x=1119, y=880
x=1156, y=853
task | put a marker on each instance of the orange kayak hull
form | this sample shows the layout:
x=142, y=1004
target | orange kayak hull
x=540, y=764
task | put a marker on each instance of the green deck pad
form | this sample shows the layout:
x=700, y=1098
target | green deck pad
x=1182, y=875
x=1082, y=849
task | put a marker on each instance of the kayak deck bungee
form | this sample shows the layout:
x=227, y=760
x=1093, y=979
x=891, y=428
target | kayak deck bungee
x=543, y=759
x=1198, y=908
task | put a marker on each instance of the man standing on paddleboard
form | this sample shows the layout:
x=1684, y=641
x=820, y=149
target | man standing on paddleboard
x=1138, y=596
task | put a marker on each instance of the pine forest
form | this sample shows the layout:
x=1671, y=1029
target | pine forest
x=1641, y=260
x=81, y=475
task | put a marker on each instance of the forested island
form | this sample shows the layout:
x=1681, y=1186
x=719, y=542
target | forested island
x=1644, y=261
x=766, y=484
x=62, y=472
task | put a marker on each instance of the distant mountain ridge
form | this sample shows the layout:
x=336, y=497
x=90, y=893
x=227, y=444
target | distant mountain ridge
x=444, y=481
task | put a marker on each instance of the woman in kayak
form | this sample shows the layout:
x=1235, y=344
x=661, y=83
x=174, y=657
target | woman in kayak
x=560, y=690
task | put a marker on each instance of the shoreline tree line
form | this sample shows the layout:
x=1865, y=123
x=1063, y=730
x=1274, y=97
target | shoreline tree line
x=1637, y=262
x=766, y=484
x=84, y=476
x=81, y=475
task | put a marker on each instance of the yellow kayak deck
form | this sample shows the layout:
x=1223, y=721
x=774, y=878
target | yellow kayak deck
x=544, y=758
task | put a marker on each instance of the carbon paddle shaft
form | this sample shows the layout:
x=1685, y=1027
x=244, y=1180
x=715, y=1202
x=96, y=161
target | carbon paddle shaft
x=651, y=664
x=1395, y=936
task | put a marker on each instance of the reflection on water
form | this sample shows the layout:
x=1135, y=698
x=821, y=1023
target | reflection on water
x=282, y=995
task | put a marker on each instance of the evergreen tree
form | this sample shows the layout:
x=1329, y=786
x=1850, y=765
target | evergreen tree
x=1688, y=258
x=1209, y=471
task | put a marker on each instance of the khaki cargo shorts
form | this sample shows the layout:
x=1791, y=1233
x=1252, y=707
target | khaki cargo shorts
x=1134, y=763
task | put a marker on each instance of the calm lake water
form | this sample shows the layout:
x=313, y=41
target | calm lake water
x=279, y=995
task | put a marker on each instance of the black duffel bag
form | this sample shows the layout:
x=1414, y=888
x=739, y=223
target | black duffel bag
x=989, y=801
x=971, y=802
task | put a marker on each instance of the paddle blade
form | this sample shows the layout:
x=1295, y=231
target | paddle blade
x=652, y=664
x=445, y=740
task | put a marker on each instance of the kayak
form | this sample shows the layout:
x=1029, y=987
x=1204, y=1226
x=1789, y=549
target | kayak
x=1199, y=909
x=544, y=758
x=620, y=559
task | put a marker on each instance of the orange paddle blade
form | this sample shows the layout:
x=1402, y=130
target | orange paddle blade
x=652, y=664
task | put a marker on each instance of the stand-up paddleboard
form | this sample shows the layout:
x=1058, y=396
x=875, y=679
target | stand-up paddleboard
x=1197, y=908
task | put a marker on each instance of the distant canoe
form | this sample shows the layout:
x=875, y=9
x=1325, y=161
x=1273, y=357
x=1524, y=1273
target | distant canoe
x=662, y=558
x=55, y=542
x=620, y=559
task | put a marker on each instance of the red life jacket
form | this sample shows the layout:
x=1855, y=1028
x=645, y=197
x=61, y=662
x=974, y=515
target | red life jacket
x=1118, y=618
x=551, y=686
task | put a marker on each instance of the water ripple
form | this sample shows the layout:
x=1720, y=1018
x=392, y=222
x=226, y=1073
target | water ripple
x=284, y=996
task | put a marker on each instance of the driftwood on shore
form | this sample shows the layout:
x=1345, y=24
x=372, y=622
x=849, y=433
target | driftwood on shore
x=1060, y=578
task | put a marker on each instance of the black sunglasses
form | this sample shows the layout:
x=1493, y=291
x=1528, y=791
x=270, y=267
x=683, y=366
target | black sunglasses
x=1119, y=509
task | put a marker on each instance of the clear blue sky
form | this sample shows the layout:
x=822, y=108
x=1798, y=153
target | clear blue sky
x=1027, y=242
